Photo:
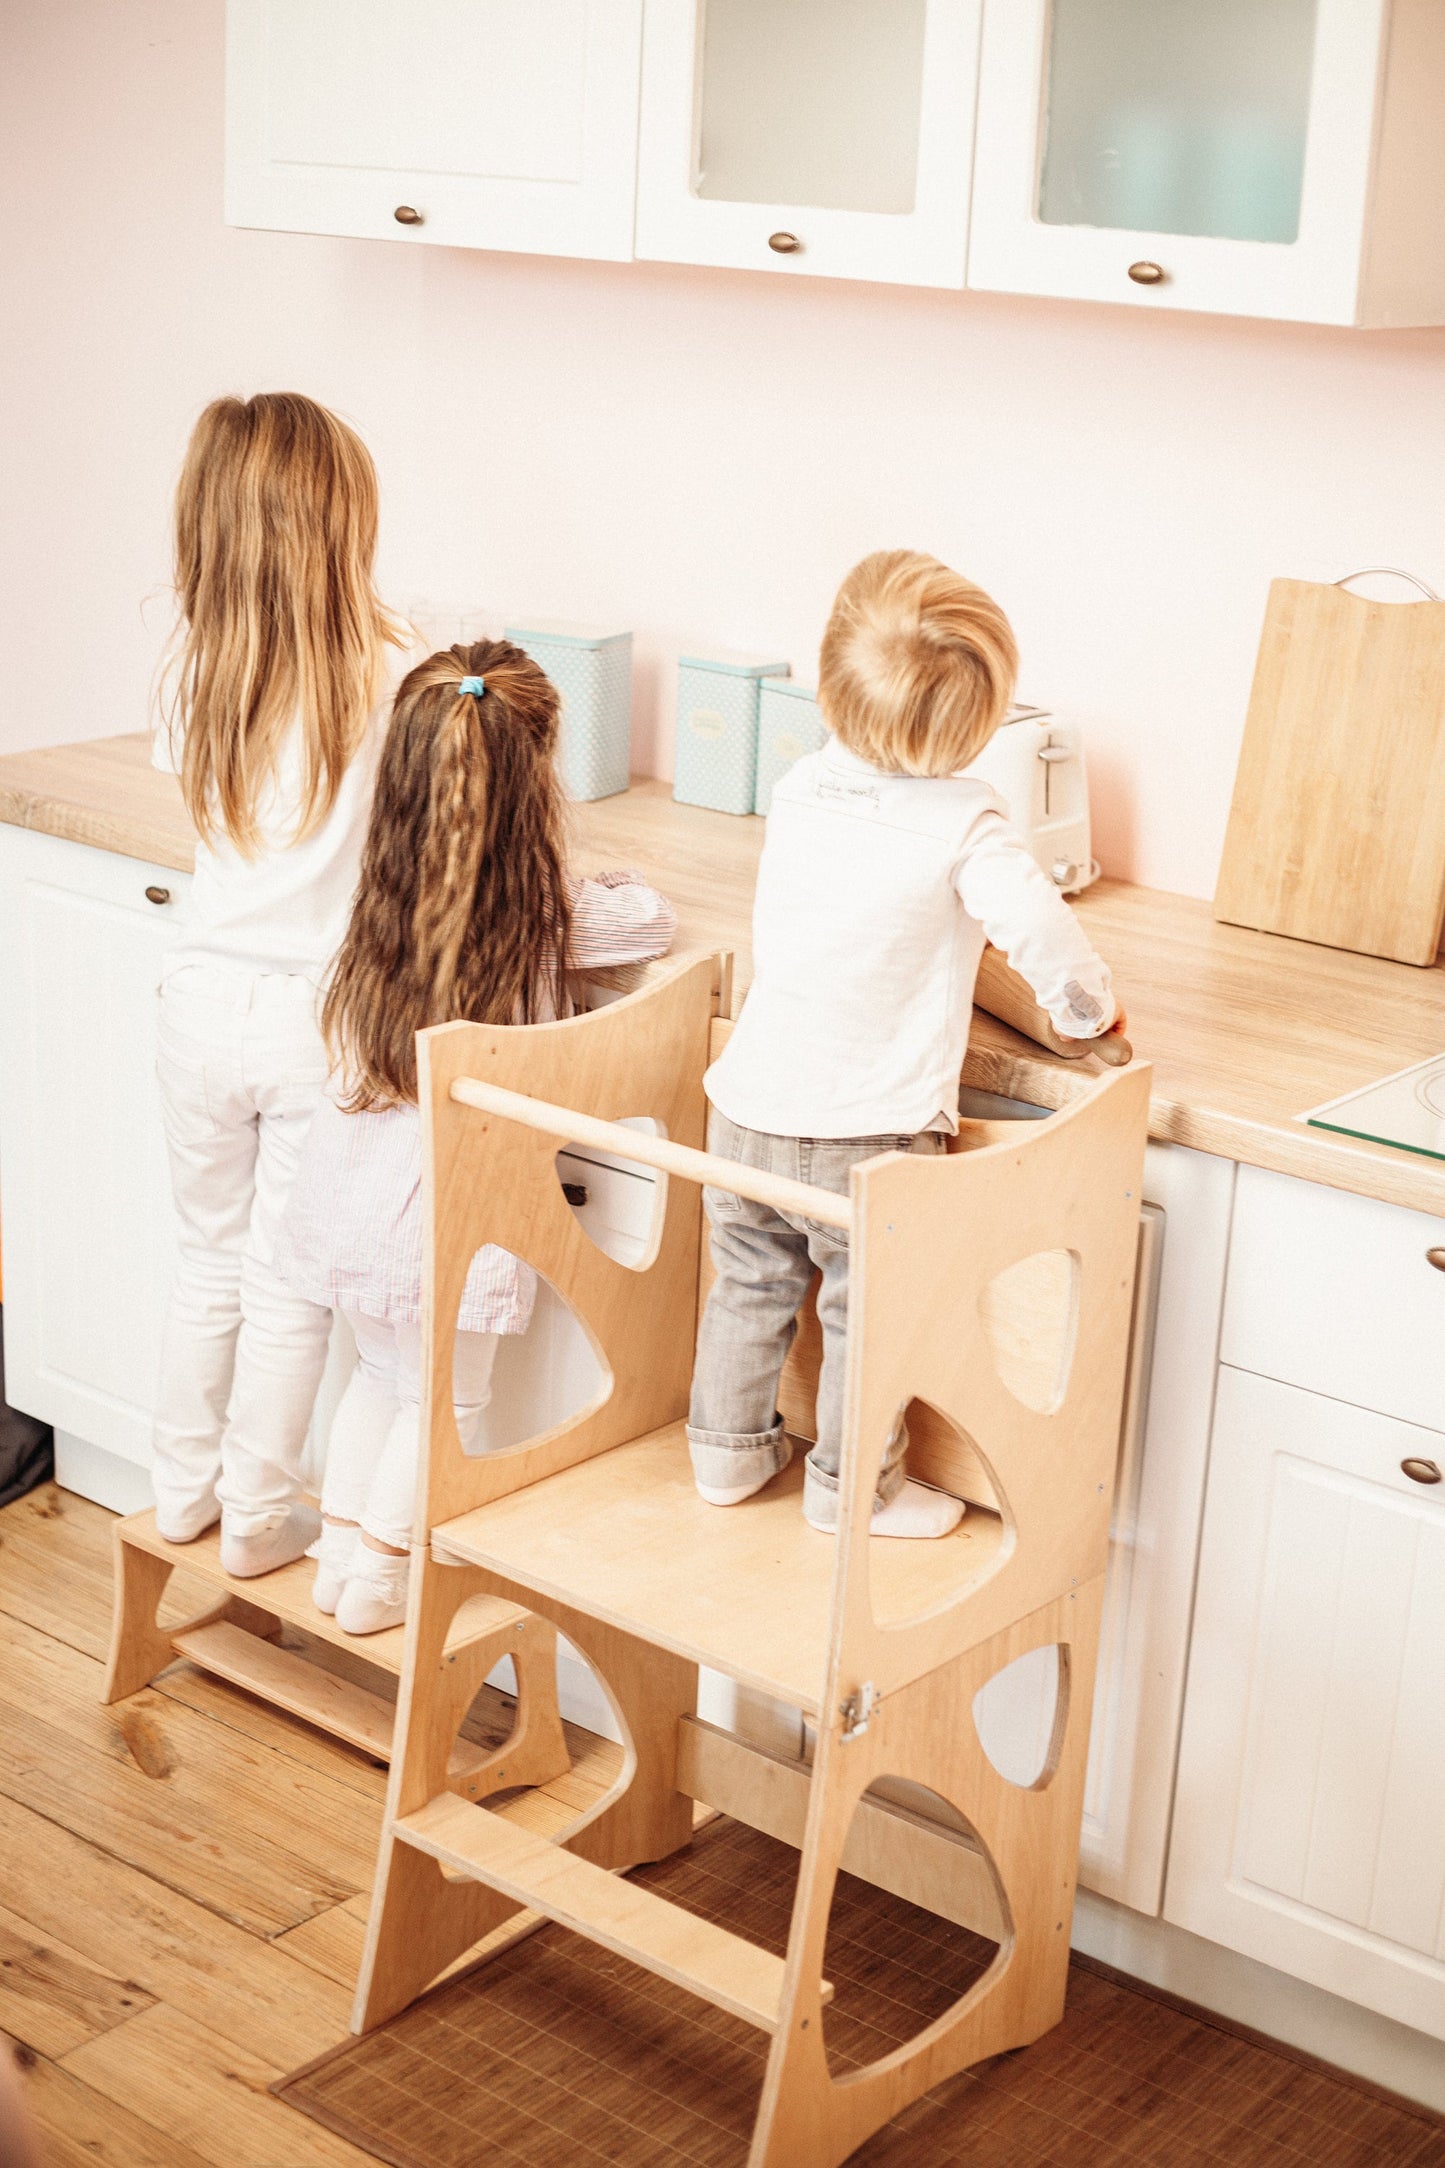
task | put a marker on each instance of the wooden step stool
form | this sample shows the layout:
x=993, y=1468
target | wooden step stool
x=882, y=1644
x=236, y=1639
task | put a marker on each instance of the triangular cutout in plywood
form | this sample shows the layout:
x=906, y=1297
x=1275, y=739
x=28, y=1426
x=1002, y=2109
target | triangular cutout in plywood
x=551, y=1374
x=618, y=1203
x=922, y=1933
x=1030, y=1314
x=909, y=1582
x=1020, y=1714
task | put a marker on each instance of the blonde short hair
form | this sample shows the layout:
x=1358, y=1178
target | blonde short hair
x=918, y=665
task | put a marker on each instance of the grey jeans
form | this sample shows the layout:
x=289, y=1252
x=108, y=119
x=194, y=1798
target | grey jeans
x=765, y=1262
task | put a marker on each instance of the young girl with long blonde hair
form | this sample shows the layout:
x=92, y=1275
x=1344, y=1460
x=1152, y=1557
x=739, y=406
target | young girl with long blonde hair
x=273, y=723
x=465, y=910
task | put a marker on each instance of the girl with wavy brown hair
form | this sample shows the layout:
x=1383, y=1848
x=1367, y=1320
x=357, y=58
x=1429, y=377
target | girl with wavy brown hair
x=466, y=909
x=272, y=719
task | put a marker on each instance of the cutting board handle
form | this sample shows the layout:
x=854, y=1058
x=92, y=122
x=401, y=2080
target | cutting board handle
x=1388, y=572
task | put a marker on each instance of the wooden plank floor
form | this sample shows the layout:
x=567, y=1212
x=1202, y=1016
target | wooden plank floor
x=183, y=1890
x=183, y=1878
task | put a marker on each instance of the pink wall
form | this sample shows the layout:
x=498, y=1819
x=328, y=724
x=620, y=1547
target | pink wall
x=699, y=455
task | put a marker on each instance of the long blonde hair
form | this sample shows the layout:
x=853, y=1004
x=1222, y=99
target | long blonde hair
x=275, y=532
x=464, y=908
x=917, y=666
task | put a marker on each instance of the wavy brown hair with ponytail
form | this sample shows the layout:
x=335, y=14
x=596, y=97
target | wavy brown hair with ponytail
x=463, y=909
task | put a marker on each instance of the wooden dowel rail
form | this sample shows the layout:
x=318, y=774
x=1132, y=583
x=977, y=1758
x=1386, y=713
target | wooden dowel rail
x=569, y=1127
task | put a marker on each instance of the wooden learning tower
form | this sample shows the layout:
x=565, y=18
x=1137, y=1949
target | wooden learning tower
x=882, y=1645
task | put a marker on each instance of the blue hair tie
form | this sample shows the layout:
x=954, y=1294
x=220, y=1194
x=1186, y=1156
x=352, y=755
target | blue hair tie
x=474, y=685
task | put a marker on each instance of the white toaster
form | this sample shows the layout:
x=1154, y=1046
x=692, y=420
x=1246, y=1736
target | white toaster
x=1036, y=764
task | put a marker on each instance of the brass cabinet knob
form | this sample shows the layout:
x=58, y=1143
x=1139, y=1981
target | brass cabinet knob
x=1436, y=1258
x=1143, y=274
x=405, y=215
x=158, y=895
x=785, y=244
x=1421, y=1471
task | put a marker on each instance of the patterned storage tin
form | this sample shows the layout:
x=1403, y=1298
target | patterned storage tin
x=790, y=723
x=717, y=729
x=593, y=673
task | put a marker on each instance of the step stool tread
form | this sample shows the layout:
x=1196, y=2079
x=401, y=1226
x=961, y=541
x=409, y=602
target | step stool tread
x=693, y=1953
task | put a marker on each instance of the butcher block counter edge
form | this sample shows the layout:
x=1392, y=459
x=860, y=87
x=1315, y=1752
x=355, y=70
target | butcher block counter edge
x=1245, y=1030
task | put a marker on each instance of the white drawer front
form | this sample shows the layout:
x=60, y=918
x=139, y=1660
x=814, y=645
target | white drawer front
x=1337, y=1294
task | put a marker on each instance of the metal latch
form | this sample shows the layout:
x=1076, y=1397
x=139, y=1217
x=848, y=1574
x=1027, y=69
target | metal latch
x=857, y=1710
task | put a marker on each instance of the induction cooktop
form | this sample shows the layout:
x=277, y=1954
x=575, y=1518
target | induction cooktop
x=1406, y=1110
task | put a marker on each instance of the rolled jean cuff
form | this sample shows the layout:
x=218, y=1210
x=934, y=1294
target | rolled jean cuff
x=398, y=1539
x=724, y=1459
x=820, y=1491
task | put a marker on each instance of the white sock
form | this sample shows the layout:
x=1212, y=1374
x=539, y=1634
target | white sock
x=734, y=1493
x=918, y=1510
x=333, y=1551
x=375, y=1593
x=245, y=1556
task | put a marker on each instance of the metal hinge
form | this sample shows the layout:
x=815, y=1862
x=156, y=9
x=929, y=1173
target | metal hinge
x=857, y=1710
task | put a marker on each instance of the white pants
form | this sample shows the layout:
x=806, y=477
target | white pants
x=241, y=1064
x=374, y=1449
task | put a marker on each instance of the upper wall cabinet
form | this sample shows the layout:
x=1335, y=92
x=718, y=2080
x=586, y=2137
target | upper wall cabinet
x=825, y=136
x=498, y=124
x=1261, y=157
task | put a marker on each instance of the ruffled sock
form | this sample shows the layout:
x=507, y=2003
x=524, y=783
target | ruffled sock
x=333, y=1551
x=375, y=1593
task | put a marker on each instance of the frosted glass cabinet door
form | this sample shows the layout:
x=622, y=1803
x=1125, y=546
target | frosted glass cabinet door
x=500, y=124
x=831, y=137
x=1188, y=154
x=1308, y=1825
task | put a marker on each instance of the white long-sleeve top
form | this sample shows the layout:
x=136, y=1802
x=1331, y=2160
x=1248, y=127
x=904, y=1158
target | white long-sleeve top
x=285, y=909
x=352, y=1236
x=875, y=895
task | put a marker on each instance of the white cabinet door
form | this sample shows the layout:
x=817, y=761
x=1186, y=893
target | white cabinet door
x=89, y=1245
x=1262, y=157
x=499, y=124
x=1153, y=1547
x=1309, y=1826
x=831, y=137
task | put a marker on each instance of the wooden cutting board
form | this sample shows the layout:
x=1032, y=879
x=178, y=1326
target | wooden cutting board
x=1337, y=829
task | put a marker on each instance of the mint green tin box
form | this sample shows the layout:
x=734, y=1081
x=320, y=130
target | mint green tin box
x=592, y=672
x=790, y=724
x=717, y=729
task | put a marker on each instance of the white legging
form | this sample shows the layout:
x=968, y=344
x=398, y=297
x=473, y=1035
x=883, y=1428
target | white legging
x=371, y=1459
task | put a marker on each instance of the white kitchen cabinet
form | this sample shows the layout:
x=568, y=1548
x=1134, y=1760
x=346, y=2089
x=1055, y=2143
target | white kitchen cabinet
x=474, y=123
x=1343, y=1295
x=1275, y=158
x=1144, y=1642
x=1308, y=1826
x=88, y=1231
x=824, y=137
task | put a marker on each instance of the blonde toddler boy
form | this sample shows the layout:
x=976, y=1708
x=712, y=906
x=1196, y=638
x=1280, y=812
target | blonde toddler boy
x=883, y=872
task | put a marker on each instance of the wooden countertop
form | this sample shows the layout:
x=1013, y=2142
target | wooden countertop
x=1245, y=1030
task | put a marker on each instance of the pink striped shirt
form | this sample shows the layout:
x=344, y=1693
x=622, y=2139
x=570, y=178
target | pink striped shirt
x=352, y=1238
